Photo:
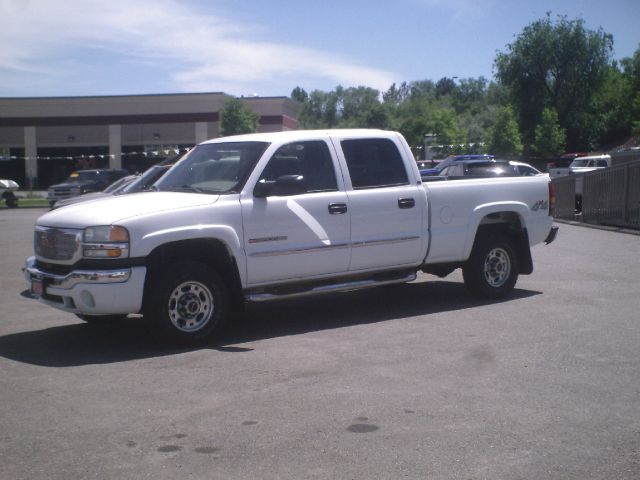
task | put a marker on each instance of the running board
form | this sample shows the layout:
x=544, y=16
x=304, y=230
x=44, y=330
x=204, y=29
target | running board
x=266, y=296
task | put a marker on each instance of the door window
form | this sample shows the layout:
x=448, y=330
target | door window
x=310, y=159
x=374, y=162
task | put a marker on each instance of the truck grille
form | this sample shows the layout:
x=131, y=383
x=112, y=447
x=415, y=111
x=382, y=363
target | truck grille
x=63, y=192
x=56, y=243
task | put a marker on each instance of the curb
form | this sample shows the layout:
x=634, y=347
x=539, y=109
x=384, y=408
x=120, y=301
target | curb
x=607, y=228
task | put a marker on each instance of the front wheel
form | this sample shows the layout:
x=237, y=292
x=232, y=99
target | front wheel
x=492, y=269
x=190, y=303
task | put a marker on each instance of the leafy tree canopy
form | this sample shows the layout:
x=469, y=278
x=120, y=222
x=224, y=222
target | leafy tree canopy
x=237, y=118
x=504, y=137
x=561, y=65
x=550, y=137
x=343, y=108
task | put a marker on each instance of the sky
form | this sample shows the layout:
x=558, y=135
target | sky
x=268, y=47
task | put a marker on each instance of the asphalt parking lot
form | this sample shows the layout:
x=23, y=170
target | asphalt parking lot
x=416, y=381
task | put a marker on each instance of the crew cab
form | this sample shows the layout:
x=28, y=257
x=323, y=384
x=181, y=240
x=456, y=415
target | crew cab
x=270, y=216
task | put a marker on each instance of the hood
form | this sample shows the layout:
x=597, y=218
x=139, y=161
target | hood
x=115, y=209
x=73, y=184
x=80, y=198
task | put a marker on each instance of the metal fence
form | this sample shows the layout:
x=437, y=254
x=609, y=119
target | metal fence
x=608, y=197
x=565, y=197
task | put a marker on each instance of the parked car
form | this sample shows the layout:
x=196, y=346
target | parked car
x=466, y=169
x=452, y=159
x=582, y=165
x=526, y=170
x=590, y=163
x=84, y=181
x=565, y=160
x=128, y=184
x=113, y=189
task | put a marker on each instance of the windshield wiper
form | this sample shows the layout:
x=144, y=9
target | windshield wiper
x=190, y=188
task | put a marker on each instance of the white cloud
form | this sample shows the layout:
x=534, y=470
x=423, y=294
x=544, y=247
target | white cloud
x=205, y=52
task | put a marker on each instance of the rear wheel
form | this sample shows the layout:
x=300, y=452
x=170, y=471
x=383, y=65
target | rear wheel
x=492, y=269
x=189, y=304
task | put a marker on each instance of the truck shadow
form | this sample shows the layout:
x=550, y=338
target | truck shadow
x=82, y=344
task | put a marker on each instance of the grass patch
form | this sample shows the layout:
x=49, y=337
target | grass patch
x=28, y=202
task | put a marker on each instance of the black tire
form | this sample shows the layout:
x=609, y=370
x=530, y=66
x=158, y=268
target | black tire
x=100, y=319
x=189, y=303
x=492, y=269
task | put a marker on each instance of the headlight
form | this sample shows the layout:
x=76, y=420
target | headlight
x=105, y=241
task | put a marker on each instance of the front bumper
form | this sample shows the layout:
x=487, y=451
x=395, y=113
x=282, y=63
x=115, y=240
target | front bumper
x=91, y=292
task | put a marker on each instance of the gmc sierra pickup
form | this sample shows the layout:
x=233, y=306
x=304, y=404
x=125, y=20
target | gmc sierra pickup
x=277, y=215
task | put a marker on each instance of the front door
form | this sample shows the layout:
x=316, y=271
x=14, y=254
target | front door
x=294, y=236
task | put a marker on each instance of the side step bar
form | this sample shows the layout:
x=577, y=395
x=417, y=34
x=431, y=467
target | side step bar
x=266, y=295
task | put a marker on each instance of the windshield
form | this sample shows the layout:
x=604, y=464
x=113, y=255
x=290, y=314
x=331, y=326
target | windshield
x=455, y=158
x=148, y=177
x=580, y=163
x=118, y=185
x=214, y=168
x=489, y=169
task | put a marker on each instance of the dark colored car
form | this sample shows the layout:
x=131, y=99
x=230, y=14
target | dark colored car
x=129, y=184
x=113, y=189
x=477, y=169
x=450, y=160
x=83, y=181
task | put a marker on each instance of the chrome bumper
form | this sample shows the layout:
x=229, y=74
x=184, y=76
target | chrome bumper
x=91, y=292
x=67, y=282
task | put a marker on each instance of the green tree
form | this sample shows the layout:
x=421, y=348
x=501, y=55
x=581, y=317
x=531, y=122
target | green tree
x=299, y=94
x=237, y=118
x=445, y=86
x=504, y=136
x=459, y=113
x=354, y=107
x=396, y=95
x=550, y=137
x=445, y=126
x=361, y=108
x=320, y=110
x=561, y=65
x=631, y=74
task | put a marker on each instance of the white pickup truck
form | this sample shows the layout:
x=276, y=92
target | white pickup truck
x=278, y=215
x=582, y=165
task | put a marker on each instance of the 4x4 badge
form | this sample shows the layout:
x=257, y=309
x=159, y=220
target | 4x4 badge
x=540, y=205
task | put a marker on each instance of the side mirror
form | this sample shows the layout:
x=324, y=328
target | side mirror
x=284, y=186
x=263, y=189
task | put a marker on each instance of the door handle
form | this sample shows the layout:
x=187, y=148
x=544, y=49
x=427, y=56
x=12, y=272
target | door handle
x=406, y=203
x=337, y=208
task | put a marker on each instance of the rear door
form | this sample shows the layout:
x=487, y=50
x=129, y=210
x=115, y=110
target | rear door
x=388, y=211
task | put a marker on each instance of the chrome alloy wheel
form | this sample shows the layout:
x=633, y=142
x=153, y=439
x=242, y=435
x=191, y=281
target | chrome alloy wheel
x=190, y=306
x=497, y=267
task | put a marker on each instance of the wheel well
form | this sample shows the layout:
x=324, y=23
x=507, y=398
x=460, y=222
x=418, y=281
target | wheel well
x=211, y=252
x=510, y=225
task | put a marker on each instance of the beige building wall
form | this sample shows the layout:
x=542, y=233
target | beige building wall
x=115, y=123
